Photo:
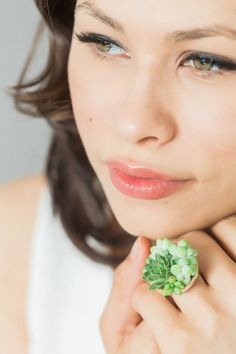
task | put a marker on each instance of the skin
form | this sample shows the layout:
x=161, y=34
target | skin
x=146, y=106
x=201, y=320
x=122, y=108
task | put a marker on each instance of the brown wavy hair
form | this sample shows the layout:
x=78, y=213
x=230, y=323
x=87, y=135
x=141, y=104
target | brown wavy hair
x=77, y=196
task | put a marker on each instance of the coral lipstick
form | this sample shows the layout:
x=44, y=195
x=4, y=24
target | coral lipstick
x=140, y=182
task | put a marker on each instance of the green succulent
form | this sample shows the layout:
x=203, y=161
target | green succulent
x=170, y=267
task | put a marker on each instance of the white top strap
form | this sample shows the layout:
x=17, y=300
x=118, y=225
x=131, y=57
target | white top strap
x=67, y=291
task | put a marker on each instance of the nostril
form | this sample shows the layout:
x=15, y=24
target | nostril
x=152, y=139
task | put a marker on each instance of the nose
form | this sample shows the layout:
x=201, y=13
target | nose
x=144, y=115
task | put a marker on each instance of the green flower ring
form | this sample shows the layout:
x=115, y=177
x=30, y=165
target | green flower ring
x=171, y=268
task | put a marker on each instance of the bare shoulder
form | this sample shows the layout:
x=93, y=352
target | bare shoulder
x=18, y=207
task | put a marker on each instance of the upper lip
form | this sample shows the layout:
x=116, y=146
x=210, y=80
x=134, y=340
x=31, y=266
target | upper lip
x=137, y=169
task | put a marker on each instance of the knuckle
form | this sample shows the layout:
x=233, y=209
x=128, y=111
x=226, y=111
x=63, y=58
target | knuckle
x=189, y=236
x=104, y=323
x=192, y=235
x=120, y=275
x=195, y=238
x=153, y=346
x=231, y=219
x=183, y=342
x=213, y=325
x=139, y=294
x=198, y=238
x=146, y=340
x=231, y=276
x=104, y=326
x=135, y=298
x=233, y=282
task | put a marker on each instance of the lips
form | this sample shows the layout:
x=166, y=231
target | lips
x=139, y=181
x=140, y=170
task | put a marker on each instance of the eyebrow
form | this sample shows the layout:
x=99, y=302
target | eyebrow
x=175, y=36
x=94, y=11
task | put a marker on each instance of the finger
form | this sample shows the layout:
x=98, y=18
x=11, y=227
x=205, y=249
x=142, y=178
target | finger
x=119, y=317
x=214, y=264
x=142, y=340
x=224, y=232
x=161, y=316
x=194, y=300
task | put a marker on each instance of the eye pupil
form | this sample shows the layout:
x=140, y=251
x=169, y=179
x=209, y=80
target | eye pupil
x=203, y=64
x=104, y=47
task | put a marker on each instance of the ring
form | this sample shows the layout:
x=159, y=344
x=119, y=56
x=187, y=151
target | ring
x=171, y=268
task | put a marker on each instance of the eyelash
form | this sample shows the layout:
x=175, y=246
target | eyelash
x=222, y=64
x=98, y=39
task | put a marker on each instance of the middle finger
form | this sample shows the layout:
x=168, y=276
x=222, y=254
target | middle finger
x=215, y=266
x=141, y=340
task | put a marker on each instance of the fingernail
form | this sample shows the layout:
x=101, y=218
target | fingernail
x=135, y=248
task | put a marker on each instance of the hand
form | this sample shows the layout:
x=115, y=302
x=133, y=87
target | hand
x=122, y=328
x=204, y=318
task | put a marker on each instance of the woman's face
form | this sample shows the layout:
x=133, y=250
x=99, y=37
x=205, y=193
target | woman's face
x=146, y=99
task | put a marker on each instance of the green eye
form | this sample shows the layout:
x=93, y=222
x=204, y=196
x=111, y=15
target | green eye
x=203, y=64
x=208, y=63
x=103, y=47
x=109, y=48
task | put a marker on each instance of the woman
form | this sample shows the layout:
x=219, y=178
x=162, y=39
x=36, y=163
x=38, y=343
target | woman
x=150, y=87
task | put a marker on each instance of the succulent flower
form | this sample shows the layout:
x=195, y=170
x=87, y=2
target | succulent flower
x=171, y=268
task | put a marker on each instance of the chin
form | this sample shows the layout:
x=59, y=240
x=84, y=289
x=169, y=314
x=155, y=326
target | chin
x=153, y=232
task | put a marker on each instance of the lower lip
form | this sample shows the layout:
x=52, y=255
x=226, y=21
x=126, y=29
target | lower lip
x=143, y=188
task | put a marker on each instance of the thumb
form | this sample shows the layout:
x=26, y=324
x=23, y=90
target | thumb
x=119, y=318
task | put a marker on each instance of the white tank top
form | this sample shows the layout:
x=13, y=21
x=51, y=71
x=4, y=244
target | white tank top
x=67, y=291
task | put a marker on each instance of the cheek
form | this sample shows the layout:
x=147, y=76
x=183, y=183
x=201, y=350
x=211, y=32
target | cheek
x=90, y=125
x=95, y=90
x=87, y=103
x=211, y=124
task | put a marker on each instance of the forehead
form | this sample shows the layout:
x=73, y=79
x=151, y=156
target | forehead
x=171, y=13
